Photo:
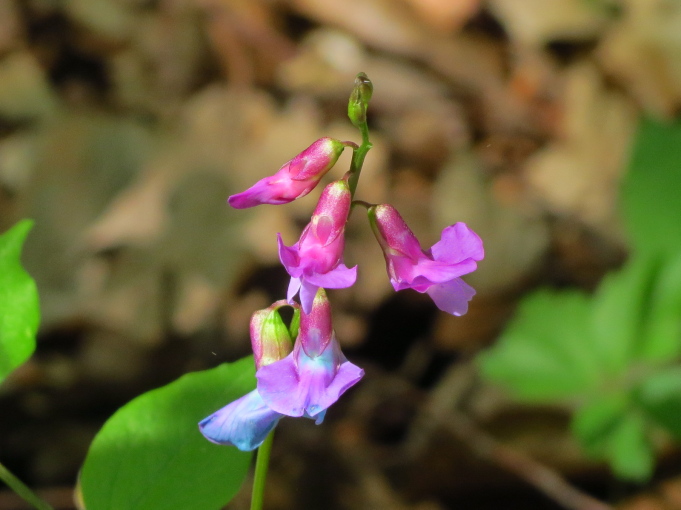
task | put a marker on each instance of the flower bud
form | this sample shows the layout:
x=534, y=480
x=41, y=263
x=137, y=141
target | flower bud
x=270, y=338
x=359, y=100
x=316, y=260
x=295, y=179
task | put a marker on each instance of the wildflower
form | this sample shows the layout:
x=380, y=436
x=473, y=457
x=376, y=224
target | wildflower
x=436, y=271
x=315, y=374
x=246, y=422
x=316, y=260
x=304, y=381
x=295, y=179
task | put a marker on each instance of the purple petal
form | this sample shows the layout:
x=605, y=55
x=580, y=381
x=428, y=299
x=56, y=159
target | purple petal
x=244, y=423
x=289, y=257
x=338, y=278
x=299, y=385
x=457, y=243
x=436, y=271
x=452, y=297
x=293, y=288
x=259, y=193
x=307, y=293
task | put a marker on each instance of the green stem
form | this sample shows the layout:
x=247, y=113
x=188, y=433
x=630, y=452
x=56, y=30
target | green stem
x=261, y=465
x=22, y=490
x=358, y=155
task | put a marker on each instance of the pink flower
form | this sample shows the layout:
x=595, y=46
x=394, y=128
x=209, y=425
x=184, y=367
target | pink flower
x=295, y=179
x=315, y=374
x=436, y=271
x=316, y=260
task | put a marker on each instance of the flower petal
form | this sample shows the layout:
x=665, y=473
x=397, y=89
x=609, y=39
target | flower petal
x=452, y=297
x=307, y=293
x=339, y=277
x=290, y=257
x=458, y=243
x=300, y=385
x=244, y=423
x=293, y=288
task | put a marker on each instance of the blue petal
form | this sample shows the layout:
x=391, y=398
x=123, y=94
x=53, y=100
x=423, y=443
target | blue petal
x=244, y=423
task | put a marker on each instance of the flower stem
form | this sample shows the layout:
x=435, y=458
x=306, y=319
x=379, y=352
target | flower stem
x=358, y=155
x=261, y=464
x=22, y=490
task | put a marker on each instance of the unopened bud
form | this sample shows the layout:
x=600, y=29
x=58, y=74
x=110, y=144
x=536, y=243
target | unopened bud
x=359, y=100
x=271, y=339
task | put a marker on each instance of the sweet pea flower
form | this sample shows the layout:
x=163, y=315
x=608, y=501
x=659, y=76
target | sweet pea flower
x=316, y=260
x=246, y=422
x=436, y=271
x=295, y=179
x=315, y=374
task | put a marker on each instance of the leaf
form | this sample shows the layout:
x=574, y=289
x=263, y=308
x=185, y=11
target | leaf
x=19, y=306
x=660, y=396
x=546, y=351
x=662, y=334
x=630, y=452
x=619, y=314
x=652, y=209
x=150, y=453
x=594, y=422
x=611, y=429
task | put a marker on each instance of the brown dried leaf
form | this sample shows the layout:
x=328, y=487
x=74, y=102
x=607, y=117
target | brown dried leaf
x=25, y=93
x=643, y=49
x=445, y=15
x=577, y=174
x=536, y=22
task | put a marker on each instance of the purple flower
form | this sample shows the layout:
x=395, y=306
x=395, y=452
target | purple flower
x=315, y=374
x=436, y=271
x=295, y=179
x=316, y=260
x=304, y=383
x=244, y=423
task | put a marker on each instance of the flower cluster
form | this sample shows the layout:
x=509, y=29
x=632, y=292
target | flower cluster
x=301, y=370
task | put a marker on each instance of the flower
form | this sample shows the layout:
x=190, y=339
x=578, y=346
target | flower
x=246, y=422
x=304, y=381
x=295, y=179
x=436, y=271
x=316, y=260
x=315, y=374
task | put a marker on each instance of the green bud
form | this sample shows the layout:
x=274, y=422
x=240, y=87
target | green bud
x=270, y=337
x=359, y=100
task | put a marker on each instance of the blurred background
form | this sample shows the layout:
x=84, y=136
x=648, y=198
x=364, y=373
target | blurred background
x=125, y=124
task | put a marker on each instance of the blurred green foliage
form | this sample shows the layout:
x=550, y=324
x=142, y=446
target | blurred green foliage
x=616, y=352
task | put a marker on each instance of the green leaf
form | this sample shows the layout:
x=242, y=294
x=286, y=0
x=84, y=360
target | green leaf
x=151, y=455
x=630, y=451
x=660, y=396
x=19, y=306
x=546, y=351
x=619, y=313
x=661, y=339
x=652, y=209
x=594, y=422
x=610, y=428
